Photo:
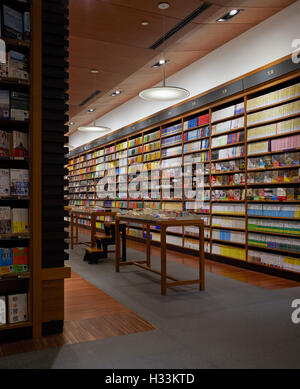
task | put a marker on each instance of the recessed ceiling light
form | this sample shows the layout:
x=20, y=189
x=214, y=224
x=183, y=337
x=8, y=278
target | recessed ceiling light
x=163, y=5
x=116, y=93
x=160, y=63
x=145, y=23
x=71, y=124
x=95, y=71
x=92, y=110
x=229, y=15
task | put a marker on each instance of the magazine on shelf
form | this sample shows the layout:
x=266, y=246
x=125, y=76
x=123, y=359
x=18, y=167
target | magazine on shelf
x=4, y=183
x=17, y=308
x=5, y=220
x=20, y=220
x=20, y=144
x=26, y=26
x=12, y=23
x=19, y=106
x=6, y=260
x=4, y=144
x=20, y=262
x=2, y=310
x=17, y=65
x=4, y=104
x=19, y=182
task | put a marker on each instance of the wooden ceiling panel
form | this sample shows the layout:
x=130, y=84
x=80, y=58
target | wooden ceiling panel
x=255, y=3
x=107, y=35
x=107, y=57
x=178, y=9
x=209, y=37
x=116, y=24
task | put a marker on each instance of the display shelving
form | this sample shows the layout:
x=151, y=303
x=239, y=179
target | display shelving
x=228, y=121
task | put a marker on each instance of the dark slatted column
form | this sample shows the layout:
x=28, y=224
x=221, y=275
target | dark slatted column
x=54, y=108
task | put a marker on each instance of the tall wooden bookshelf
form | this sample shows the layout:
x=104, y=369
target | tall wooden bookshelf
x=45, y=305
x=249, y=144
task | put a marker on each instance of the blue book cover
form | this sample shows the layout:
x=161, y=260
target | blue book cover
x=6, y=257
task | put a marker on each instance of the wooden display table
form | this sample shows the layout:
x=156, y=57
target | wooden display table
x=146, y=264
x=76, y=213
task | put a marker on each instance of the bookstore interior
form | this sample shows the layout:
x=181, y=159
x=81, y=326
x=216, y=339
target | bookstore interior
x=163, y=130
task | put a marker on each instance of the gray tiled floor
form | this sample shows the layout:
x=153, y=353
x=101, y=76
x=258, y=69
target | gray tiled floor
x=230, y=325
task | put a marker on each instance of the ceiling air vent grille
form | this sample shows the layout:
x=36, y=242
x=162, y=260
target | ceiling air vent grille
x=94, y=94
x=180, y=25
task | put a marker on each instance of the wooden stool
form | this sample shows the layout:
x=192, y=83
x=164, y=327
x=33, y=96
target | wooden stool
x=92, y=254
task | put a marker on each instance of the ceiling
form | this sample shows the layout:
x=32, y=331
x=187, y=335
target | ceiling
x=107, y=35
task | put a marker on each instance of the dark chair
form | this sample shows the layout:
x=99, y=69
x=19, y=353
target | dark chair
x=103, y=240
x=93, y=254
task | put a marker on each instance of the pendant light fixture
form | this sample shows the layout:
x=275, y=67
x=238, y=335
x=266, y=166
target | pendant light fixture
x=94, y=128
x=164, y=92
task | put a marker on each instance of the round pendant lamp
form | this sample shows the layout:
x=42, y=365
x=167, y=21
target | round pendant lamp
x=164, y=92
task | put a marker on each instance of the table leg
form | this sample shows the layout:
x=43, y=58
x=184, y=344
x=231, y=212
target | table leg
x=201, y=258
x=93, y=230
x=76, y=233
x=163, y=260
x=123, y=243
x=71, y=231
x=148, y=245
x=117, y=239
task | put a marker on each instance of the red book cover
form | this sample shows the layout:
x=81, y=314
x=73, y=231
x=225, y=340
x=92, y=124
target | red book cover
x=20, y=144
x=4, y=144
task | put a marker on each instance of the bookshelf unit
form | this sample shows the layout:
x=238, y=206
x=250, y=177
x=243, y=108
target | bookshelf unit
x=30, y=150
x=249, y=146
x=16, y=275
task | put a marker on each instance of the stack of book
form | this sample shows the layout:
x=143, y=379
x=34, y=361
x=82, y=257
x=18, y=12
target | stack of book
x=273, y=194
x=275, y=113
x=228, y=139
x=278, y=96
x=171, y=129
x=224, y=113
x=228, y=125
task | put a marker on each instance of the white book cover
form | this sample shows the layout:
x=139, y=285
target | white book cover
x=19, y=182
x=4, y=183
x=17, y=308
x=17, y=65
x=20, y=220
x=2, y=310
x=5, y=220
